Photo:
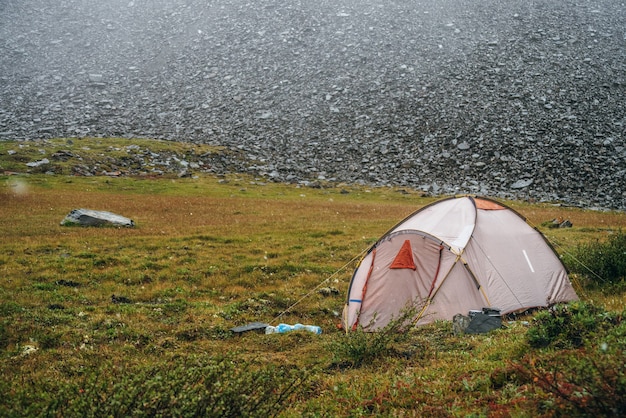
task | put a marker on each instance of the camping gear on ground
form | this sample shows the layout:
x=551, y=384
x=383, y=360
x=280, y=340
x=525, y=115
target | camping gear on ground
x=452, y=256
x=282, y=328
x=491, y=312
x=460, y=323
x=477, y=321
x=252, y=326
x=482, y=323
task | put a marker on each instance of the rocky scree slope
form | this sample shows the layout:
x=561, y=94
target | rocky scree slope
x=510, y=99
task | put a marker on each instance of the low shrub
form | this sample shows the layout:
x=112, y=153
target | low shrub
x=358, y=347
x=569, y=325
x=4, y=336
x=601, y=262
x=181, y=387
x=588, y=377
x=581, y=382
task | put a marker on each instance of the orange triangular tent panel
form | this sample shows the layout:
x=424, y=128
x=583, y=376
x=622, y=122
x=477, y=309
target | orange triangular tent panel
x=488, y=205
x=404, y=259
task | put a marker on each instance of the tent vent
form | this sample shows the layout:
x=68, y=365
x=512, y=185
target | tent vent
x=404, y=259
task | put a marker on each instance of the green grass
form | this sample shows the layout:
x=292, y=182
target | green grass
x=213, y=252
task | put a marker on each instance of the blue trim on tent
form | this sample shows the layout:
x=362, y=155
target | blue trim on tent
x=355, y=300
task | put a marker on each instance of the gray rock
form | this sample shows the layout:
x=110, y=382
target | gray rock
x=88, y=217
x=38, y=163
x=520, y=184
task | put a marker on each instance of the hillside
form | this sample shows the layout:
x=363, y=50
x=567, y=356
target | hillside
x=137, y=321
x=511, y=99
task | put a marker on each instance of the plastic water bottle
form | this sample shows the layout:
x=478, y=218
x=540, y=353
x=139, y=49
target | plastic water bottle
x=282, y=328
x=279, y=329
x=311, y=328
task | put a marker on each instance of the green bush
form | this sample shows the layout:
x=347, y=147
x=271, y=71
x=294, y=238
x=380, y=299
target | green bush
x=358, y=347
x=182, y=387
x=586, y=382
x=4, y=336
x=587, y=377
x=569, y=325
x=601, y=262
x=9, y=308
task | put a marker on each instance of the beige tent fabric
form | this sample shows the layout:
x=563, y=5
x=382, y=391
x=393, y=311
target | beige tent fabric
x=468, y=253
x=458, y=293
x=451, y=221
x=514, y=264
x=390, y=290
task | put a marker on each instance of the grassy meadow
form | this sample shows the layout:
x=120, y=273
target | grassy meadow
x=211, y=252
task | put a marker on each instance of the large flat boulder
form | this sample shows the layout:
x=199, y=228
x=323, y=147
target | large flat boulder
x=88, y=217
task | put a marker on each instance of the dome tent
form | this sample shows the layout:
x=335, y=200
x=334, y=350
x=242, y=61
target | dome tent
x=453, y=256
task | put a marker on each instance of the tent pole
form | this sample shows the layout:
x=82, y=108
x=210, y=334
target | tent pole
x=432, y=295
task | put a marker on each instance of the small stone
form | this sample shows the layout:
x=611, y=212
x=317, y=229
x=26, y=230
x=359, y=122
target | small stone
x=38, y=163
x=520, y=184
x=28, y=350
